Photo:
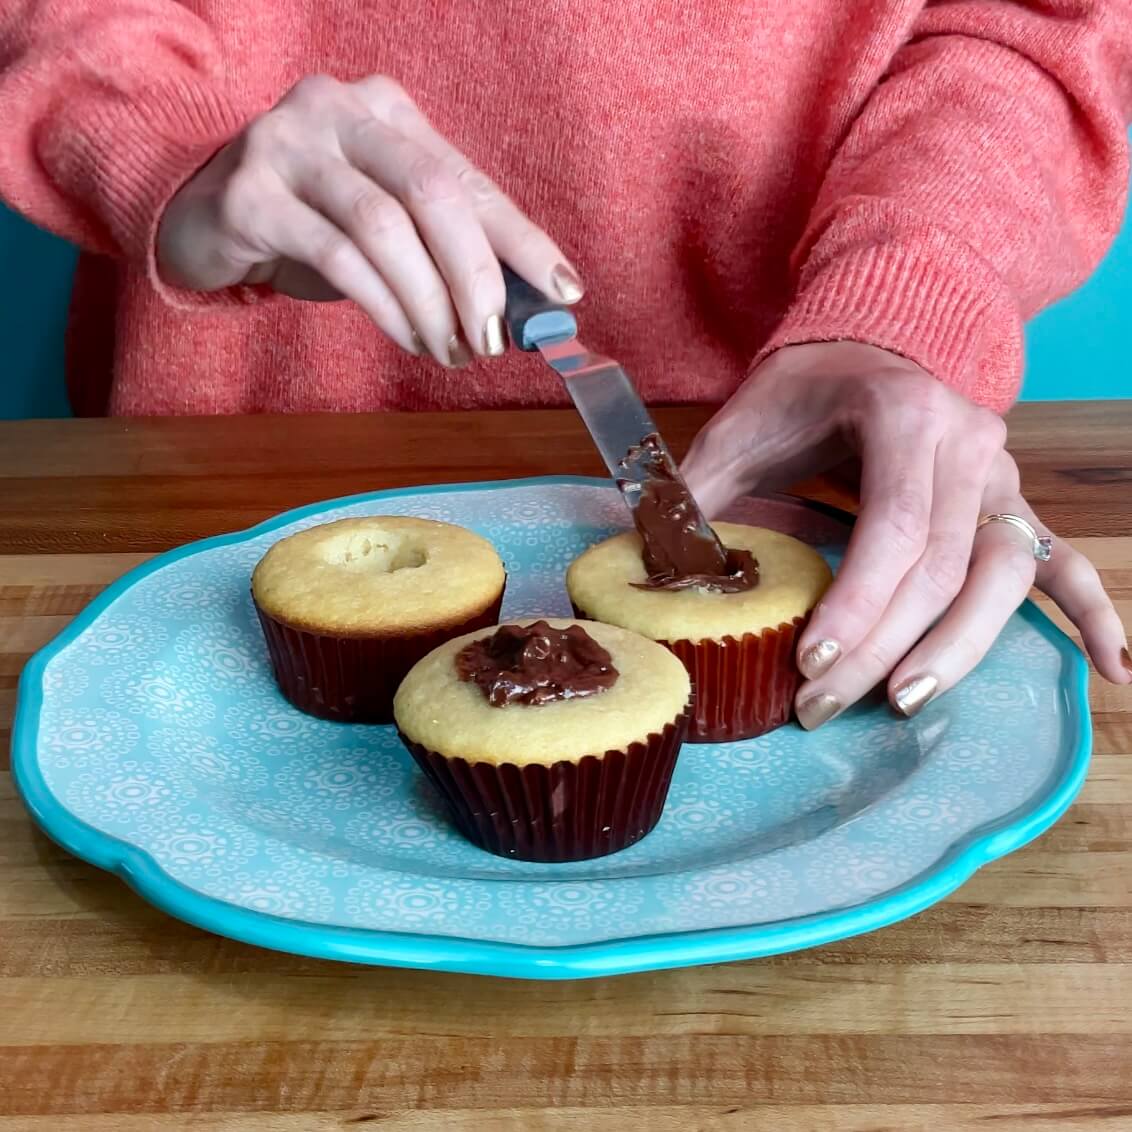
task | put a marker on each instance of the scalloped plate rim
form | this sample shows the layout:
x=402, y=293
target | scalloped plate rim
x=995, y=839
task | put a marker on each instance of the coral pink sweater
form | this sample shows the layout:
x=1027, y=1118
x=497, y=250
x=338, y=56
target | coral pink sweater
x=728, y=175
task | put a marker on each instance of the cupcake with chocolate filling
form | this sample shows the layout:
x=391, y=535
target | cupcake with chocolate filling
x=350, y=606
x=730, y=607
x=548, y=740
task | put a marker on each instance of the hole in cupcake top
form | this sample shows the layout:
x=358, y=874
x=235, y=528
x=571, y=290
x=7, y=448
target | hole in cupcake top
x=536, y=664
x=383, y=552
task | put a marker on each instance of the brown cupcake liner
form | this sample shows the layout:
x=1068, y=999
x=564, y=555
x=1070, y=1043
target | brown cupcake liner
x=568, y=811
x=745, y=686
x=352, y=679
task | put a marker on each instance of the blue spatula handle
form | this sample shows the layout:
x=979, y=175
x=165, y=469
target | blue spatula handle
x=532, y=318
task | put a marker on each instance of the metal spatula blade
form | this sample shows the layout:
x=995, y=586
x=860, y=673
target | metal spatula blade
x=603, y=393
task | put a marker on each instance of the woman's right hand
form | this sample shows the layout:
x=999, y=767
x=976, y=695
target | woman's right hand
x=344, y=190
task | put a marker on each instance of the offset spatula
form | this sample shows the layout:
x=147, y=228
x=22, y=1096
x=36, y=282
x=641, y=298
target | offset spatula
x=601, y=390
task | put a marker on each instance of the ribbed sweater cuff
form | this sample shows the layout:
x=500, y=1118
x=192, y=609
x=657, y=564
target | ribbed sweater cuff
x=135, y=155
x=896, y=295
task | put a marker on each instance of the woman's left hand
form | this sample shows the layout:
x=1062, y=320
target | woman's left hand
x=923, y=590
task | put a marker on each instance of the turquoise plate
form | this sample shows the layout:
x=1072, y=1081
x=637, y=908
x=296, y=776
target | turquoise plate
x=151, y=741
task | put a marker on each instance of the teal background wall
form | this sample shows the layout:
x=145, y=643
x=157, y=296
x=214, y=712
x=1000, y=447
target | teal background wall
x=35, y=284
x=1080, y=348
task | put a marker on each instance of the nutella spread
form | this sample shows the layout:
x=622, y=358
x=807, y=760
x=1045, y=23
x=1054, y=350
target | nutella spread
x=536, y=664
x=676, y=554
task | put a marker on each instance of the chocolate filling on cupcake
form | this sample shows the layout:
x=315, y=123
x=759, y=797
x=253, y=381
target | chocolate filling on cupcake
x=675, y=551
x=536, y=664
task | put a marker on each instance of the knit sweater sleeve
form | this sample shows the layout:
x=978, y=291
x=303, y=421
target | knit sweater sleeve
x=108, y=106
x=983, y=178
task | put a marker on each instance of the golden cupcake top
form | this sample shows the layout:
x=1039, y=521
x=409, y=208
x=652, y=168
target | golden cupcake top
x=378, y=575
x=605, y=581
x=436, y=707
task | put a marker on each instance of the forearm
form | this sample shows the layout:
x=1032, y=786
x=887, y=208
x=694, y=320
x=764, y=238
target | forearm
x=983, y=179
x=107, y=108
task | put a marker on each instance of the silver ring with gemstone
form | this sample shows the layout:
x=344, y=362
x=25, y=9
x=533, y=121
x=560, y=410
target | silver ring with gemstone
x=1041, y=545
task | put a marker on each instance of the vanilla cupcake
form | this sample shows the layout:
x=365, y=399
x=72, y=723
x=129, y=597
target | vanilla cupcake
x=349, y=607
x=738, y=647
x=548, y=741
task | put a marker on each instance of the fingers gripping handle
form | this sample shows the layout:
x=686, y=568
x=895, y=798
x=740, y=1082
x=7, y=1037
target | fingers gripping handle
x=532, y=318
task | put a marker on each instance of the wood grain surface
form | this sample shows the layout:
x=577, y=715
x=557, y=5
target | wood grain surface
x=1007, y=1007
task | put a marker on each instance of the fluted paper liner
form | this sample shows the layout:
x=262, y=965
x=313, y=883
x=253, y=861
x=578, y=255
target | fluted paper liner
x=744, y=686
x=565, y=811
x=352, y=679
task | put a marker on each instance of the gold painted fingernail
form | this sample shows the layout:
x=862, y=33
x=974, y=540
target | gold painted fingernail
x=817, y=710
x=493, y=342
x=567, y=284
x=458, y=352
x=913, y=695
x=418, y=344
x=1126, y=658
x=818, y=658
